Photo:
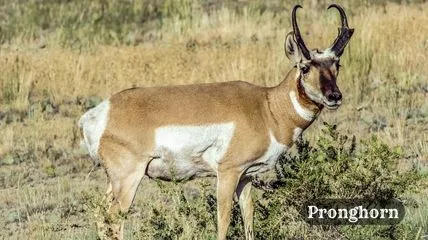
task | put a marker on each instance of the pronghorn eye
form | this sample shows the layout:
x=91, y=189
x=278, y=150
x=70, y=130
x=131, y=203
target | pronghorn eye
x=304, y=69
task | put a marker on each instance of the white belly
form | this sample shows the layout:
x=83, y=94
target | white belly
x=185, y=152
x=269, y=159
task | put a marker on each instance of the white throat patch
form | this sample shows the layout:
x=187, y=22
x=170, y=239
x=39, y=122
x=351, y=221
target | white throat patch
x=303, y=112
x=297, y=133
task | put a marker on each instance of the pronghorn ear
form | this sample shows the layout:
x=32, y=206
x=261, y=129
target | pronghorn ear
x=292, y=50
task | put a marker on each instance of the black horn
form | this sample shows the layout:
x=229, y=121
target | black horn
x=345, y=33
x=297, y=35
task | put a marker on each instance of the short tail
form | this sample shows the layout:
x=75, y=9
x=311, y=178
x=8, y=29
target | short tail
x=92, y=125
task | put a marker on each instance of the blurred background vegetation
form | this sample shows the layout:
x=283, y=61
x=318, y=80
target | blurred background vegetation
x=80, y=23
x=60, y=58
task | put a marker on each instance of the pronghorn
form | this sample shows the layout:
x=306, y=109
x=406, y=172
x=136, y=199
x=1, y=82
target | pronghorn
x=231, y=130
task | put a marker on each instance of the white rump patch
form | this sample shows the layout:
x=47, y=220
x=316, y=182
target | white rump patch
x=269, y=158
x=303, y=112
x=93, y=124
x=184, y=144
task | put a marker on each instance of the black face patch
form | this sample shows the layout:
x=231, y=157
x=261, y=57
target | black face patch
x=327, y=82
x=327, y=75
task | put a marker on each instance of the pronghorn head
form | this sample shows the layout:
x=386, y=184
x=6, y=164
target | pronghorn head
x=318, y=69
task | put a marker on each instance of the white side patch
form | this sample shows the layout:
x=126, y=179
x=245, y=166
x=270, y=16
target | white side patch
x=93, y=124
x=269, y=159
x=304, y=113
x=297, y=132
x=186, y=142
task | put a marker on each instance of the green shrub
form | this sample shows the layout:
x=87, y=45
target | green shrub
x=334, y=167
x=180, y=214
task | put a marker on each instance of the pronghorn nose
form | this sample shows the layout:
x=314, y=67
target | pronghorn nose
x=334, y=96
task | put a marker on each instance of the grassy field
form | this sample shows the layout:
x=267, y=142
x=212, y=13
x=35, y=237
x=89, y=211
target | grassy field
x=60, y=58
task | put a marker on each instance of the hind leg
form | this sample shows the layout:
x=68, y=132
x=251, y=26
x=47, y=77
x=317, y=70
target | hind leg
x=125, y=176
x=102, y=228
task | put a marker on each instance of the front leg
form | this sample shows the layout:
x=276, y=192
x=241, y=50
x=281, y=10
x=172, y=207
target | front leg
x=243, y=192
x=226, y=186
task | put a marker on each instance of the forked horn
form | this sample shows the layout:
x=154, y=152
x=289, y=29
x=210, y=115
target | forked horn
x=297, y=35
x=345, y=33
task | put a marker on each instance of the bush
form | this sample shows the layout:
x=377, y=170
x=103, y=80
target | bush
x=334, y=167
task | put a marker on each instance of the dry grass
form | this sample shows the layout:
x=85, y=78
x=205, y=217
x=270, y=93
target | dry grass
x=45, y=90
